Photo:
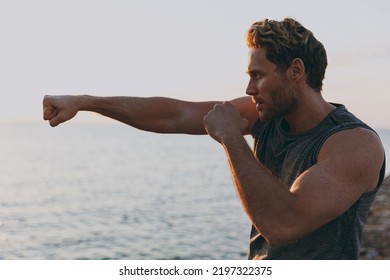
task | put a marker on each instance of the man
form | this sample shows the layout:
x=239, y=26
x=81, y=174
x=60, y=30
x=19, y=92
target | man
x=316, y=168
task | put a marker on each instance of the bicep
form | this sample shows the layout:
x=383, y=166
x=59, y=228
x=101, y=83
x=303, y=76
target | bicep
x=191, y=114
x=190, y=117
x=348, y=165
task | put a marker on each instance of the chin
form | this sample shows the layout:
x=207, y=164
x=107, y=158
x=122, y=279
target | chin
x=267, y=116
x=264, y=117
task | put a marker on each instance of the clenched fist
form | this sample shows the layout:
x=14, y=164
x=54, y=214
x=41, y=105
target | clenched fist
x=224, y=121
x=59, y=109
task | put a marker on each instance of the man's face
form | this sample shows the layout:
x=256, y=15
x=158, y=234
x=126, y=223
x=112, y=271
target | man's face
x=269, y=87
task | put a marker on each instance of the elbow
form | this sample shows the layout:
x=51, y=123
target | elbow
x=284, y=227
x=278, y=240
x=279, y=235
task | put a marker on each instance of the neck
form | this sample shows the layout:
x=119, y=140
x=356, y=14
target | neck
x=308, y=112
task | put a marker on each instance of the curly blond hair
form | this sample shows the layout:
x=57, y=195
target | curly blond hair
x=288, y=39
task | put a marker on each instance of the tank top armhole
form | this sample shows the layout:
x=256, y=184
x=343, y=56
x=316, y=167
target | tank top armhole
x=383, y=168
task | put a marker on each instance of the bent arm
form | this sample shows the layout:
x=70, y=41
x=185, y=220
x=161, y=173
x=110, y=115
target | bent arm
x=349, y=165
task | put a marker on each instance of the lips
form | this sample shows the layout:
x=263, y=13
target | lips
x=259, y=105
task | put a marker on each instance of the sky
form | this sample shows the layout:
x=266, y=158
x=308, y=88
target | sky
x=192, y=50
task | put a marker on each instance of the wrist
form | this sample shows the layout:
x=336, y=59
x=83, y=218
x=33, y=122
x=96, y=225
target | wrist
x=232, y=139
x=84, y=102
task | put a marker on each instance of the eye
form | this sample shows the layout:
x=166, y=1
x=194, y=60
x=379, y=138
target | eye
x=257, y=76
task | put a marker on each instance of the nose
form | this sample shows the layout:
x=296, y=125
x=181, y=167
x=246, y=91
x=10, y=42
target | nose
x=251, y=88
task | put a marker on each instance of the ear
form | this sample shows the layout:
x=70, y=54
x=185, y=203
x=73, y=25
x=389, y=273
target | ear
x=297, y=68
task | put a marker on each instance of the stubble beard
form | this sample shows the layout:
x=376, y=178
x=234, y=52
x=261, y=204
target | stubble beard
x=283, y=101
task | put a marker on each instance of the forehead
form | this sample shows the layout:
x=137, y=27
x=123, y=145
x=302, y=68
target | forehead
x=257, y=60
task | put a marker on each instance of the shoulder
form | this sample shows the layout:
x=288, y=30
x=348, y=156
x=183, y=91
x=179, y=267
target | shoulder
x=362, y=138
x=355, y=153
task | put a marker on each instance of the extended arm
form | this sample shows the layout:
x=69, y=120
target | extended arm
x=157, y=114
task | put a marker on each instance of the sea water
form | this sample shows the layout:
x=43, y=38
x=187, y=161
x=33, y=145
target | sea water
x=108, y=191
x=113, y=192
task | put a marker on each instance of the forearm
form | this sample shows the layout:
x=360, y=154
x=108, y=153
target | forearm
x=152, y=114
x=157, y=114
x=267, y=202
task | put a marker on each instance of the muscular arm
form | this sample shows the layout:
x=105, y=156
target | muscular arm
x=348, y=165
x=157, y=114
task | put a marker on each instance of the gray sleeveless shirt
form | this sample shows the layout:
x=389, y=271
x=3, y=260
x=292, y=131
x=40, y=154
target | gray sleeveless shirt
x=286, y=156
